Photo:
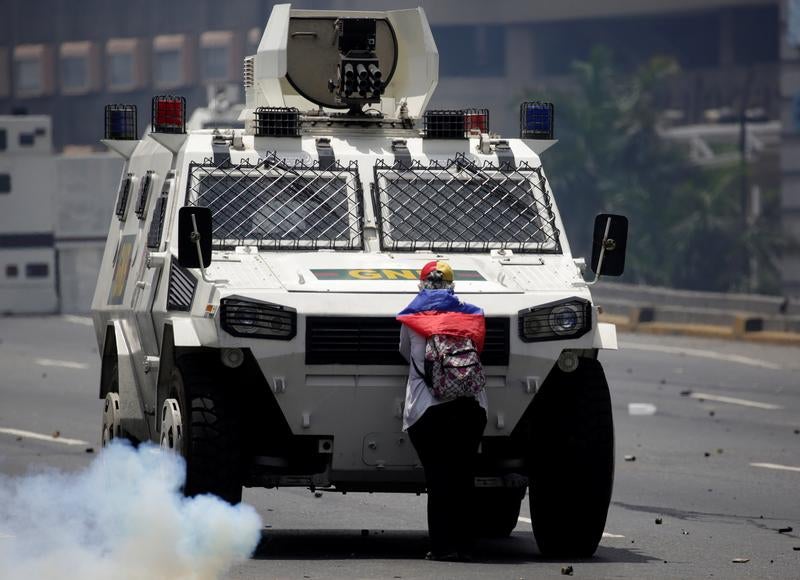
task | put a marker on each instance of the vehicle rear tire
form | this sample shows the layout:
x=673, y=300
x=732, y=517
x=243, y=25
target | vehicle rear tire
x=211, y=439
x=497, y=511
x=572, y=466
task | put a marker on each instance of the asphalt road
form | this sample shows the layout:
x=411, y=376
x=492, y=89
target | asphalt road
x=721, y=475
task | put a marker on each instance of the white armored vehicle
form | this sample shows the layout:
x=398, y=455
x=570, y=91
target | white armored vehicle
x=245, y=309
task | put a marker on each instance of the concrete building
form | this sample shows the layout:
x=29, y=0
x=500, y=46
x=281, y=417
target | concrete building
x=72, y=63
x=790, y=148
x=27, y=180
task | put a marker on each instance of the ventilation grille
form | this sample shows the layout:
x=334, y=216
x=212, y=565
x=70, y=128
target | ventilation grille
x=144, y=193
x=374, y=341
x=122, y=197
x=181, y=288
x=248, y=72
x=157, y=224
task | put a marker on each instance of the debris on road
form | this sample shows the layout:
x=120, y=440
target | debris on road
x=719, y=451
x=785, y=530
x=566, y=570
x=19, y=438
x=706, y=454
x=317, y=494
x=740, y=560
x=711, y=413
x=56, y=434
x=90, y=450
x=659, y=521
x=796, y=548
x=641, y=409
x=630, y=458
x=686, y=392
x=797, y=431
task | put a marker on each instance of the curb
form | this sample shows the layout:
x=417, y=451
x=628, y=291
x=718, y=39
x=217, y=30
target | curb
x=740, y=330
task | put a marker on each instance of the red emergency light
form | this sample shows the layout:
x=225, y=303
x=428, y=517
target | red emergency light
x=476, y=120
x=169, y=114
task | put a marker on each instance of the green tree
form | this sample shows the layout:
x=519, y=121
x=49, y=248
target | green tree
x=686, y=221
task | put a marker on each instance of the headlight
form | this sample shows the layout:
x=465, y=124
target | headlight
x=254, y=319
x=569, y=318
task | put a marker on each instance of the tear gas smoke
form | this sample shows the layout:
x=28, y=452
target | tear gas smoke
x=124, y=517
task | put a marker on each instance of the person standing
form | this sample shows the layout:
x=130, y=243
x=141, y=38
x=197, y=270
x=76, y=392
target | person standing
x=445, y=434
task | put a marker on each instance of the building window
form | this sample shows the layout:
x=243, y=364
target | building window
x=27, y=139
x=77, y=70
x=32, y=70
x=122, y=64
x=5, y=183
x=37, y=270
x=28, y=78
x=215, y=55
x=12, y=271
x=169, y=61
x=120, y=70
x=3, y=139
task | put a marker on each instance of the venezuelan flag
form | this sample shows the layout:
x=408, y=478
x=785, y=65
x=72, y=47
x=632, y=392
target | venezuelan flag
x=441, y=312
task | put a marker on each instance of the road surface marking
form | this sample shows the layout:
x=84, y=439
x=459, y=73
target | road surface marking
x=67, y=364
x=42, y=436
x=734, y=401
x=605, y=534
x=710, y=354
x=85, y=320
x=776, y=466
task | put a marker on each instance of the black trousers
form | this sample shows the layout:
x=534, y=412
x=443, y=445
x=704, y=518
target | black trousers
x=446, y=438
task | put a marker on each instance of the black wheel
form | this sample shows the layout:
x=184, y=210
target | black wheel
x=204, y=428
x=497, y=511
x=112, y=417
x=572, y=461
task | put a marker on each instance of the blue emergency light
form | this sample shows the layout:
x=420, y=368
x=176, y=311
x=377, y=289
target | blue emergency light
x=536, y=120
x=121, y=122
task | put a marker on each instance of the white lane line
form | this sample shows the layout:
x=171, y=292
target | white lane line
x=6, y=537
x=84, y=320
x=776, y=466
x=605, y=534
x=700, y=353
x=734, y=401
x=41, y=436
x=67, y=364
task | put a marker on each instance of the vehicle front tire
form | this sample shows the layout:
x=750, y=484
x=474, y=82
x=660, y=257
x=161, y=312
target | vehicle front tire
x=497, y=511
x=210, y=441
x=572, y=462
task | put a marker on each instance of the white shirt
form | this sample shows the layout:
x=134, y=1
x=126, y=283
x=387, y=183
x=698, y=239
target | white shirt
x=418, y=395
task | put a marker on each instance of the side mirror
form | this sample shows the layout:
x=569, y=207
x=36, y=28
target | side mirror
x=194, y=237
x=609, y=242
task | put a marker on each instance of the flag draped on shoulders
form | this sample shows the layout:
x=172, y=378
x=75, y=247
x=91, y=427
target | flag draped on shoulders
x=441, y=312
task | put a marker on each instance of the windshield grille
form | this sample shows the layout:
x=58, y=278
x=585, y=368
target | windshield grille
x=462, y=206
x=276, y=204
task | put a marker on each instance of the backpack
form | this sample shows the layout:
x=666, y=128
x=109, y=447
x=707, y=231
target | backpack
x=452, y=367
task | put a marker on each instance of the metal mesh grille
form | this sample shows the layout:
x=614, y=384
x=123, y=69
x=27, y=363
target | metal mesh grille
x=462, y=206
x=276, y=204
